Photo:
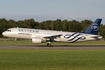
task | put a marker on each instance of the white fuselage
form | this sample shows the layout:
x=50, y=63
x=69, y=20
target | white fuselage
x=60, y=36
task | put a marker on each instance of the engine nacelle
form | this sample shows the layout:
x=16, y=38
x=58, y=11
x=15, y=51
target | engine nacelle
x=36, y=40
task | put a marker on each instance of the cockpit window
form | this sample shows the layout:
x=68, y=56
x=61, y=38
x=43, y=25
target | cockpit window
x=9, y=30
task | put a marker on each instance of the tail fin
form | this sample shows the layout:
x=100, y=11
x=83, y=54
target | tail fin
x=94, y=27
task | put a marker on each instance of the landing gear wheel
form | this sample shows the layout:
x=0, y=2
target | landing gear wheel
x=48, y=44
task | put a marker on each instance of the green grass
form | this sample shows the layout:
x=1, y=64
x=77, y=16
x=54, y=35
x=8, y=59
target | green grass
x=27, y=42
x=52, y=59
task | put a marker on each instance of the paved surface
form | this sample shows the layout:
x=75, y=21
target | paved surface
x=53, y=47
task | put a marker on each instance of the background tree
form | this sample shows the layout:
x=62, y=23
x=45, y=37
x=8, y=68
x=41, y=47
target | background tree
x=64, y=25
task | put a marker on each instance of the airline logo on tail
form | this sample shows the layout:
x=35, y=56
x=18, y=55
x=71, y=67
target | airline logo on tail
x=95, y=27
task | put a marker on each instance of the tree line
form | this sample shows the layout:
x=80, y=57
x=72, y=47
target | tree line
x=59, y=25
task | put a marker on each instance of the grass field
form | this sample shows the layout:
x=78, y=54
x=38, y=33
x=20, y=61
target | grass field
x=27, y=42
x=52, y=59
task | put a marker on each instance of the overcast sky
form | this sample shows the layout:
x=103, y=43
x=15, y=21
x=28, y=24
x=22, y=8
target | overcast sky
x=42, y=10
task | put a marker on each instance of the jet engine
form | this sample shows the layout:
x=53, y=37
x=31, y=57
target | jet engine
x=36, y=40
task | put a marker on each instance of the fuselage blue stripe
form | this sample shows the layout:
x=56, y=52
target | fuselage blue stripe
x=74, y=37
x=69, y=35
x=77, y=39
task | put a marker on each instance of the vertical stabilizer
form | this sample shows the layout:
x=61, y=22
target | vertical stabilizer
x=94, y=27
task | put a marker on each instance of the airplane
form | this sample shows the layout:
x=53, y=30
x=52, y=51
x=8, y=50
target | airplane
x=39, y=36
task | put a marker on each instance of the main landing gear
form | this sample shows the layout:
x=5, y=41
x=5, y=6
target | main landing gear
x=48, y=44
x=15, y=41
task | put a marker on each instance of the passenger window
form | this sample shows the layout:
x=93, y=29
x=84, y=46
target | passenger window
x=9, y=30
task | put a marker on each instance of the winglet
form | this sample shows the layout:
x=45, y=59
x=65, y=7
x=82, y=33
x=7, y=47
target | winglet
x=94, y=27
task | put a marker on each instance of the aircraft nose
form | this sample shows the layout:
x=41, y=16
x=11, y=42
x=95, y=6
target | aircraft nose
x=3, y=33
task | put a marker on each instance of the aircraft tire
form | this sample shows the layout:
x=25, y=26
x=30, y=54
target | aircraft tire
x=49, y=45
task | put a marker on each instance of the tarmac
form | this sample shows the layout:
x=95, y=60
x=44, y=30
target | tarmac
x=68, y=47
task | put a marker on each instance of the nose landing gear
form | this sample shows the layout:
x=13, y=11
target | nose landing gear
x=48, y=44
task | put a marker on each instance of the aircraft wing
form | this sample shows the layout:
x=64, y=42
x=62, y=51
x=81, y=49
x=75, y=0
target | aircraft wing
x=49, y=36
x=54, y=36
